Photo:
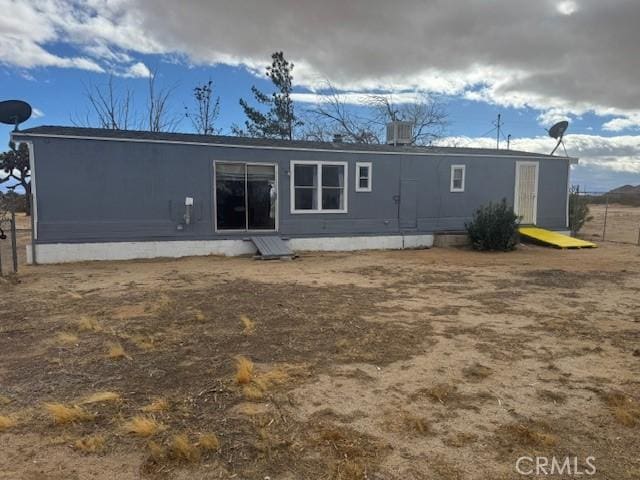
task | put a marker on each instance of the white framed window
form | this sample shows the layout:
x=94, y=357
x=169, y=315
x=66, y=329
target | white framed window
x=318, y=187
x=457, y=178
x=363, y=176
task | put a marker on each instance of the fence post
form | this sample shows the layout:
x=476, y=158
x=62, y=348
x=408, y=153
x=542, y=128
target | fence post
x=14, y=244
x=606, y=211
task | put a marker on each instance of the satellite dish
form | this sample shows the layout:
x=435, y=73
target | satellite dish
x=14, y=112
x=557, y=132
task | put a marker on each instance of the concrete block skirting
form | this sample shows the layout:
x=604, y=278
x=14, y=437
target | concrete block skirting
x=79, y=252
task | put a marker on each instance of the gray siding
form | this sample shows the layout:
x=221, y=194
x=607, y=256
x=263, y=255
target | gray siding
x=95, y=190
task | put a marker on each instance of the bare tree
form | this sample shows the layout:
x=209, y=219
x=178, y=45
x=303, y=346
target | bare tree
x=107, y=107
x=333, y=115
x=112, y=107
x=206, y=111
x=159, y=117
x=428, y=117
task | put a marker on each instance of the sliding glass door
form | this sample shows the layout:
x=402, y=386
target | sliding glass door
x=246, y=196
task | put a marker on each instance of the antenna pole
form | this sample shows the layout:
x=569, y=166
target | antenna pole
x=498, y=124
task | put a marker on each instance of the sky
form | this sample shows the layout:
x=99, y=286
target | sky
x=532, y=62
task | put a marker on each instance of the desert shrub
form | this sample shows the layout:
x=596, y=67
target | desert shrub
x=578, y=211
x=494, y=227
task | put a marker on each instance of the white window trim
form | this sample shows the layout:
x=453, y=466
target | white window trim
x=369, y=165
x=292, y=190
x=464, y=177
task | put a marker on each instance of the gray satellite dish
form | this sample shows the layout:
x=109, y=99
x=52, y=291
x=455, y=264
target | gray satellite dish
x=14, y=112
x=557, y=132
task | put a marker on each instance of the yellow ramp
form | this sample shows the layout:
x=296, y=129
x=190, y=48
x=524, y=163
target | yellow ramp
x=554, y=239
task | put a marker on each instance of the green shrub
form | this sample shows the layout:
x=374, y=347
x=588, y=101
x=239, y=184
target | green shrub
x=578, y=211
x=494, y=227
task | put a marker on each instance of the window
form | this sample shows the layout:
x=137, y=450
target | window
x=457, y=178
x=363, y=176
x=246, y=196
x=318, y=187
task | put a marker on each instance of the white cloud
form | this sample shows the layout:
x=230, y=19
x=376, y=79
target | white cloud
x=549, y=117
x=567, y=7
x=137, y=70
x=37, y=113
x=563, y=58
x=622, y=123
x=512, y=48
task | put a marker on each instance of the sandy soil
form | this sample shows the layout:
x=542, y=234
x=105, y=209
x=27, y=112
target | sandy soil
x=426, y=364
x=623, y=224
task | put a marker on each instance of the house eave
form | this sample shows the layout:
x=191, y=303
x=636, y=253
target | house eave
x=24, y=136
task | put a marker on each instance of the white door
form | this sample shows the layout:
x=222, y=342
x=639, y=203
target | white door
x=525, y=202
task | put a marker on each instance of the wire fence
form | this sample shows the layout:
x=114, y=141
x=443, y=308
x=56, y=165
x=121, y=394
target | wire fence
x=613, y=216
x=14, y=230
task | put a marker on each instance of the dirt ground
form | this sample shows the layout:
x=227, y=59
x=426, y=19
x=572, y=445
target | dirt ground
x=623, y=223
x=427, y=364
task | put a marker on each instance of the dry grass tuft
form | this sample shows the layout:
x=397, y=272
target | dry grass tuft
x=253, y=393
x=258, y=385
x=199, y=316
x=342, y=344
x=143, y=426
x=101, y=397
x=116, y=351
x=209, y=442
x=536, y=435
x=350, y=470
x=7, y=422
x=62, y=414
x=460, y=439
x=552, y=396
x=417, y=424
x=143, y=342
x=157, y=406
x=4, y=400
x=249, y=325
x=88, y=324
x=441, y=393
x=66, y=338
x=244, y=370
x=156, y=451
x=624, y=409
x=273, y=377
x=182, y=450
x=92, y=444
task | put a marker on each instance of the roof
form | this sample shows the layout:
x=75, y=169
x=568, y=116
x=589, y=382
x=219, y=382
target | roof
x=246, y=142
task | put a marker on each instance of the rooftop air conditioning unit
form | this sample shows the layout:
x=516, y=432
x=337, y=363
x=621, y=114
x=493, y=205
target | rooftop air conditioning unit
x=399, y=133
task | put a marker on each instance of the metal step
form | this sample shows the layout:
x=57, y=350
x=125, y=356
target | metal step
x=272, y=247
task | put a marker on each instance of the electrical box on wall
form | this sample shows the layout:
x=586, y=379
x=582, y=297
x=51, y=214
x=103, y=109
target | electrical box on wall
x=188, y=210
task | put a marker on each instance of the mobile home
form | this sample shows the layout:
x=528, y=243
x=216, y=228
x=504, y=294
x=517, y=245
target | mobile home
x=106, y=195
